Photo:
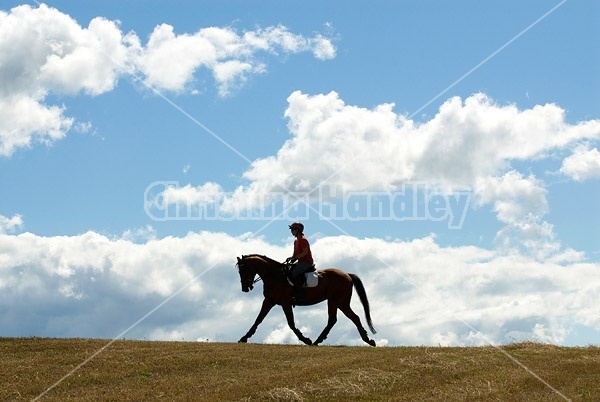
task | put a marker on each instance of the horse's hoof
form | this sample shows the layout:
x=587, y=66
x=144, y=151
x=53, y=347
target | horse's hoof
x=371, y=342
x=243, y=340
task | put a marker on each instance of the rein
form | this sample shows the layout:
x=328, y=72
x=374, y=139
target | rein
x=284, y=269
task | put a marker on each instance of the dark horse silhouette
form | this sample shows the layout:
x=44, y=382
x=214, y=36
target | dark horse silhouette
x=335, y=286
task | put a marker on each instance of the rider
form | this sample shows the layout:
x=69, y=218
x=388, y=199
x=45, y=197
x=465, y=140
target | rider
x=304, y=257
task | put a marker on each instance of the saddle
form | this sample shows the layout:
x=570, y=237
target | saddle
x=311, y=277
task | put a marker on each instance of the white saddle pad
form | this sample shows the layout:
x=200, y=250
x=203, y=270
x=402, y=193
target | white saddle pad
x=312, y=279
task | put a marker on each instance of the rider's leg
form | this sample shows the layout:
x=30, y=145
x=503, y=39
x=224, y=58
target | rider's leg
x=298, y=278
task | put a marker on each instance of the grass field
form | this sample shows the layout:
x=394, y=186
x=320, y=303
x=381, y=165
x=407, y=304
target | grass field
x=189, y=371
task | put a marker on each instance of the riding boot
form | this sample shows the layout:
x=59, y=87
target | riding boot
x=298, y=288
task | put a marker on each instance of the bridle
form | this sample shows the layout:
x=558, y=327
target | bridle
x=249, y=282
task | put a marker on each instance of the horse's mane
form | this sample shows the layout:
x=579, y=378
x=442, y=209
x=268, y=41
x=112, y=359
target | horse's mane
x=264, y=257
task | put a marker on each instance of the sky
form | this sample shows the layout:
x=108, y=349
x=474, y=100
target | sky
x=445, y=152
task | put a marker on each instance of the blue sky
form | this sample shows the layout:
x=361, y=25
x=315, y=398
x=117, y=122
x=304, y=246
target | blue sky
x=367, y=97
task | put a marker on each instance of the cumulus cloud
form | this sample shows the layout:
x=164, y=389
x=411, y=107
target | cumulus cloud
x=205, y=194
x=9, y=225
x=323, y=49
x=169, y=61
x=514, y=196
x=44, y=51
x=96, y=286
x=521, y=204
x=583, y=164
x=420, y=292
x=468, y=145
x=24, y=120
x=465, y=141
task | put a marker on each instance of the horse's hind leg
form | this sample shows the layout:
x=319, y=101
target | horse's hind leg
x=347, y=310
x=332, y=314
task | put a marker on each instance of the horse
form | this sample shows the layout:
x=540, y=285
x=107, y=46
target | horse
x=334, y=285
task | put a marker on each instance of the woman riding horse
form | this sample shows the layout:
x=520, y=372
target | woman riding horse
x=335, y=286
x=304, y=257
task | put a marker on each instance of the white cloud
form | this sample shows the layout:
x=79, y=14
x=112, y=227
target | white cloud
x=24, y=120
x=468, y=145
x=514, y=197
x=207, y=193
x=274, y=38
x=44, y=51
x=377, y=149
x=462, y=143
x=283, y=334
x=169, y=61
x=323, y=49
x=10, y=225
x=232, y=73
x=140, y=235
x=521, y=204
x=583, y=164
x=84, y=59
x=420, y=293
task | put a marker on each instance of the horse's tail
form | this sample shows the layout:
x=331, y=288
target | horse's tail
x=362, y=294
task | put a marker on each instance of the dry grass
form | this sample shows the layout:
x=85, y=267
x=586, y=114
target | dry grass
x=167, y=371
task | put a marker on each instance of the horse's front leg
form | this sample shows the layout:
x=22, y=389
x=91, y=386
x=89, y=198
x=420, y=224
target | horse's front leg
x=289, y=315
x=267, y=305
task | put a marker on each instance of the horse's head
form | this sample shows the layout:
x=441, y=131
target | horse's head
x=247, y=273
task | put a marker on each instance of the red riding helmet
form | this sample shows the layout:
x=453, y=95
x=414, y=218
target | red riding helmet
x=298, y=226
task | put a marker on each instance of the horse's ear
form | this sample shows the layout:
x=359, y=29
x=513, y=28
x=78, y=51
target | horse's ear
x=239, y=259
